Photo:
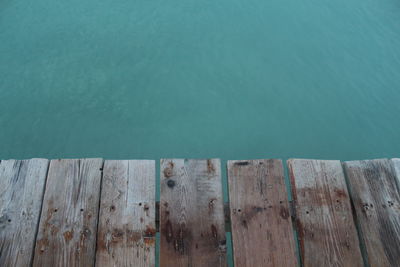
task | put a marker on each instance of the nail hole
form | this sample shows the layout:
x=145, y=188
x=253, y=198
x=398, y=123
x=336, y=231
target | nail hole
x=171, y=183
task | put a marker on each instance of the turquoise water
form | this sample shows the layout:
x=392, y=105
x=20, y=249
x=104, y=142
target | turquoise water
x=183, y=78
x=230, y=79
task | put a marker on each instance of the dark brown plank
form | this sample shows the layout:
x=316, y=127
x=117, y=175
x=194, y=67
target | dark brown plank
x=68, y=223
x=191, y=214
x=126, y=234
x=326, y=229
x=376, y=200
x=262, y=230
x=21, y=193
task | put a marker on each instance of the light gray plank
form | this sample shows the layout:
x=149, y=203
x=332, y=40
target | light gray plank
x=327, y=233
x=126, y=234
x=262, y=230
x=21, y=193
x=396, y=165
x=376, y=200
x=191, y=214
x=68, y=223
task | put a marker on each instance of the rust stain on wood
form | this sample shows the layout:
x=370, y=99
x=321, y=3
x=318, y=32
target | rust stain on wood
x=210, y=166
x=68, y=235
x=301, y=234
x=150, y=236
x=117, y=235
x=150, y=241
x=150, y=231
x=54, y=230
x=169, y=171
x=340, y=193
x=133, y=236
x=103, y=242
x=42, y=244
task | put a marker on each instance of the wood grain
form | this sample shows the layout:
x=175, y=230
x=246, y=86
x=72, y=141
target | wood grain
x=326, y=229
x=376, y=200
x=126, y=235
x=191, y=214
x=396, y=165
x=262, y=230
x=68, y=223
x=21, y=193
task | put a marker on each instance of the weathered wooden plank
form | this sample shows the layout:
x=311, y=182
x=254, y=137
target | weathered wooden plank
x=191, y=213
x=396, y=165
x=262, y=230
x=126, y=234
x=377, y=203
x=327, y=233
x=21, y=193
x=68, y=223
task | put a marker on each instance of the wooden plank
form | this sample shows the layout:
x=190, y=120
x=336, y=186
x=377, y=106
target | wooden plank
x=396, y=165
x=126, y=235
x=21, y=193
x=191, y=213
x=227, y=216
x=327, y=233
x=68, y=223
x=377, y=203
x=262, y=230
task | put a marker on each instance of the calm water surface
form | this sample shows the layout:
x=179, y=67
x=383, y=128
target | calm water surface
x=230, y=79
x=200, y=78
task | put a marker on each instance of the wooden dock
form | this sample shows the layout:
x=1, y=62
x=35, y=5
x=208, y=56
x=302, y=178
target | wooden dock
x=91, y=212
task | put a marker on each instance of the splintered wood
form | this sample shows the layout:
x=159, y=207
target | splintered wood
x=126, y=235
x=327, y=234
x=261, y=224
x=375, y=194
x=191, y=213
